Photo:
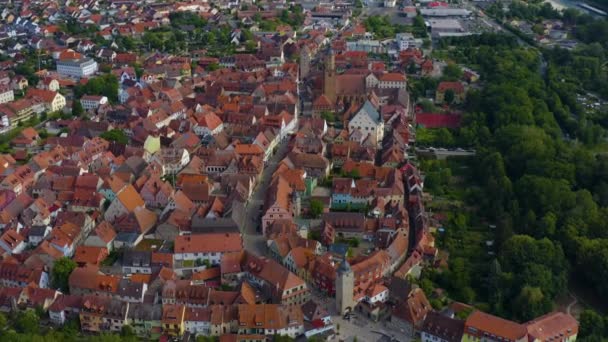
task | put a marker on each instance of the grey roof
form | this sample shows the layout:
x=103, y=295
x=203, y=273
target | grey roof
x=338, y=248
x=126, y=237
x=370, y=110
x=77, y=62
x=136, y=258
x=344, y=267
x=132, y=289
x=145, y=312
x=447, y=329
x=38, y=231
x=208, y=225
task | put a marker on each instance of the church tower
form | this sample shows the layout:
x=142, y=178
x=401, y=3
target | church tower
x=345, y=283
x=329, y=84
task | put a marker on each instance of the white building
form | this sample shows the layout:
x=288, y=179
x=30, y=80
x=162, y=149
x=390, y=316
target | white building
x=77, y=68
x=366, y=45
x=445, y=12
x=198, y=321
x=92, y=101
x=172, y=160
x=368, y=122
x=6, y=94
x=392, y=80
x=206, y=247
x=406, y=40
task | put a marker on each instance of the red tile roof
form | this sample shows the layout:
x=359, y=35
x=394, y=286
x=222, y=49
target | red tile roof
x=432, y=120
x=212, y=242
x=479, y=323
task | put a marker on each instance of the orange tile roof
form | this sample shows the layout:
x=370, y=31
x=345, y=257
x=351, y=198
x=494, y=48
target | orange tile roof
x=11, y=238
x=173, y=314
x=209, y=273
x=141, y=278
x=43, y=94
x=211, y=242
x=129, y=198
x=90, y=254
x=557, y=325
x=392, y=77
x=500, y=327
x=105, y=231
x=248, y=149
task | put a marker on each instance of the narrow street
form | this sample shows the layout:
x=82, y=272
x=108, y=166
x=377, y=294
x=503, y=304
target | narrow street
x=252, y=238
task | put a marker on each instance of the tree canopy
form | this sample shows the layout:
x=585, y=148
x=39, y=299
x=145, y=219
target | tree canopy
x=115, y=135
x=539, y=181
x=106, y=85
x=62, y=268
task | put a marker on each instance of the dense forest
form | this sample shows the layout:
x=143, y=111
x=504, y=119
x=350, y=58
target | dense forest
x=583, y=67
x=539, y=181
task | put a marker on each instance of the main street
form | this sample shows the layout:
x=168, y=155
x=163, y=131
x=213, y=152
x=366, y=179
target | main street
x=254, y=241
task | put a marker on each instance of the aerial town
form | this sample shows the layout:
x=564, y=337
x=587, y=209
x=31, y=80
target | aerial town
x=299, y=171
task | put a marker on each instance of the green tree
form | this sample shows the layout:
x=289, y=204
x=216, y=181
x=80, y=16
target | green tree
x=106, y=85
x=591, y=324
x=212, y=67
x=316, y=208
x=117, y=135
x=448, y=97
x=328, y=116
x=452, y=72
x=27, y=322
x=3, y=322
x=77, y=109
x=127, y=331
x=62, y=268
x=531, y=303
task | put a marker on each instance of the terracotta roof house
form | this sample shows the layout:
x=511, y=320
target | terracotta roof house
x=64, y=307
x=270, y=319
x=210, y=247
x=12, y=242
x=14, y=275
x=431, y=120
x=102, y=236
x=90, y=255
x=278, y=204
x=277, y=281
x=33, y=297
x=410, y=314
x=480, y=325
x=173, y=319
x=27, y=138
x=88, y=280
x=102, y=314
x=156, y=193
x=456, y=88
x=314, y=312
x=554, y=326
x=437, y=327
x=127, y=200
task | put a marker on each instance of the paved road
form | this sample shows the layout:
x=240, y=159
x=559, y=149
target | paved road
x=359, y=326
x=252, y=237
